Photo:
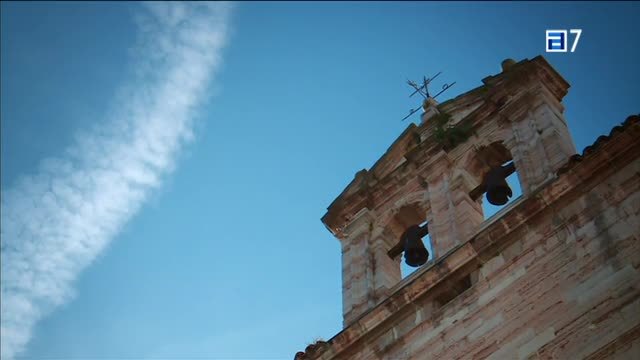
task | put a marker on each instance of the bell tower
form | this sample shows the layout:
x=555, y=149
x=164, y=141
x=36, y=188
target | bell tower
x=435, y=176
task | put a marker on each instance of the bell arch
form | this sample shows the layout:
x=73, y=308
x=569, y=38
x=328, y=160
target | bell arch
x=408, y=210
x=411, y=209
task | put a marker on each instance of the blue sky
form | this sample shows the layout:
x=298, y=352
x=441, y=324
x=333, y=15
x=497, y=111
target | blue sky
x=169, y=166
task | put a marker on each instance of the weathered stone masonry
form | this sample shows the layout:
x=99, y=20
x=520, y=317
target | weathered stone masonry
x=555, y=274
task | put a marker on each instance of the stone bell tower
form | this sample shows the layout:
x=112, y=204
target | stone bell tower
x=555, y=274
x=434, y=172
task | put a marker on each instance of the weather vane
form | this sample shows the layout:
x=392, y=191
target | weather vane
x=424, y=91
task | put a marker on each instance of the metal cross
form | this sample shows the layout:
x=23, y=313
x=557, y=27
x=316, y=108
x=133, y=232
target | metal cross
x=424, y=91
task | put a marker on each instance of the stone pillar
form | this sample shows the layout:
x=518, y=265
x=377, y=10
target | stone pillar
x=454, y=216
x=368, y=273
x=386, y=271
x=468, y=213
x=540, y=141
x=357, y=276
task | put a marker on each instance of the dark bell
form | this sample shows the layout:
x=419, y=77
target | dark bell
x=498, y=191
x=415, y=253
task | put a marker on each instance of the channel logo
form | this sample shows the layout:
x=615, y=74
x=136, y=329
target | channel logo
x=556, y=40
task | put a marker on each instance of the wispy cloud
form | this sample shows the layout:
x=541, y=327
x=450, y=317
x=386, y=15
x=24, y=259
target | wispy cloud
x=55, y=223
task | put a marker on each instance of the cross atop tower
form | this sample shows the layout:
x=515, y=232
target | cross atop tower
x=429, y=102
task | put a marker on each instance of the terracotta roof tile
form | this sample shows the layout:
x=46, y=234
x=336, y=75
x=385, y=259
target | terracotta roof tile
x=602, y=139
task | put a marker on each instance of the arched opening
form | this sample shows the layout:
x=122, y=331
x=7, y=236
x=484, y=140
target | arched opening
x=493, y=166
x=406, y=217
x=513, y=181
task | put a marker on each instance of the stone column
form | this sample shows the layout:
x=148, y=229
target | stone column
x=357, y=264
x=454, y=216
x=540, y=141
x=468, y=213
x=368, y=273
x=386, y=271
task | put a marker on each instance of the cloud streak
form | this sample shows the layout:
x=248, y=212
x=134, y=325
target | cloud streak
x=55, y=222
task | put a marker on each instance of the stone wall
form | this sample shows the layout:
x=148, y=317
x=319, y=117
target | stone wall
x=566, y=287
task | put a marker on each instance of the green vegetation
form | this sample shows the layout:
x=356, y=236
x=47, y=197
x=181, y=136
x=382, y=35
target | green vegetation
x=450, y=136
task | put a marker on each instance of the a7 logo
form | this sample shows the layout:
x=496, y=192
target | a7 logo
x=556, y=40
